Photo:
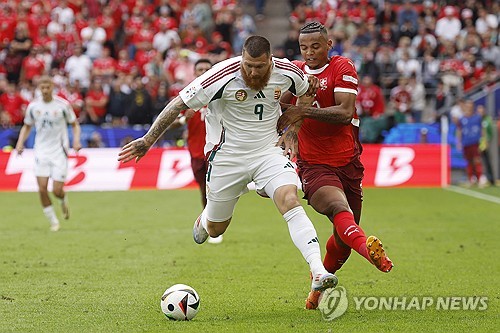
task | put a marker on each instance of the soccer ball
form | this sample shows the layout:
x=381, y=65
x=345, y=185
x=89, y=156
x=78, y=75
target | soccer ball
x=180, y=302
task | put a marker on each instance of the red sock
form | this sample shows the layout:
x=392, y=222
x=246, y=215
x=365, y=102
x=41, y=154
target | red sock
x=351, y=233
x=336, y=255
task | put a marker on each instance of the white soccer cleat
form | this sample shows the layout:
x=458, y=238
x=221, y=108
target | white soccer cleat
x=324, y=281
x=200, y=235
x=54, y=227
x=215, y=240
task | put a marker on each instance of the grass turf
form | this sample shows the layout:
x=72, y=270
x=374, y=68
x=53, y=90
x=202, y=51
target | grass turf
x=106, y=269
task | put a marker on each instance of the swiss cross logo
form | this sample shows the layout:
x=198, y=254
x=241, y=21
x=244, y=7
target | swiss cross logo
x=394, y=166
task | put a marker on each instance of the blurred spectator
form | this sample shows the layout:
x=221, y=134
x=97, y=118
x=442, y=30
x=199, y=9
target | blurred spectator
x=32, y=65
x=407, y=66
x=368, y=65
x=424, y=41
x=22, y=42
x=64, y=14
x=13, y=106
x=387, y=15
x=79, y=67
x=72, y=94
x=370, y=99
x=291, y=45
x=93, y=38
x=104, y=67
x=219, y=49
x=140, y=106
x=95, y=103
x=407, y=17
x=486, y=21
x=165, y=38
x=417, y=90
x=161, y=99
x=449, y=26
x=491, y=53
x=401, y=101
x=95, y=141
x=243, y=27
x=430, y=71
x=119, y=97
x=125, y=65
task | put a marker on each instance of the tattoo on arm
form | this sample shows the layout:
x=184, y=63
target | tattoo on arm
x=328, y=115
x=291, y=136
x=165, y=118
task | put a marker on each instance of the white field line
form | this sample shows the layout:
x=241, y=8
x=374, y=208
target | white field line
x=474, y=194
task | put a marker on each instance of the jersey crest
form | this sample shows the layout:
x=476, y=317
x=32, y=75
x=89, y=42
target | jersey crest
x=241, y=95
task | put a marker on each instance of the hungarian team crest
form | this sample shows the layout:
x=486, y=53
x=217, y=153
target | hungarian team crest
x=241, y=95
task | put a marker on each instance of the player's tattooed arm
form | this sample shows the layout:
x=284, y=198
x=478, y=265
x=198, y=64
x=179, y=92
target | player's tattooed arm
x=341, y=113
x=164, y=119
x=139, y=147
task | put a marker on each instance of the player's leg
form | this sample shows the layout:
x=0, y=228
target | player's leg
x=226, y=181
x=59, y=170
x=48, y=209
x=276, y=175
x=199, y=167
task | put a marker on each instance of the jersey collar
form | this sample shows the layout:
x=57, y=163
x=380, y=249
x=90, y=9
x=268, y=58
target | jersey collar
x=315, y=71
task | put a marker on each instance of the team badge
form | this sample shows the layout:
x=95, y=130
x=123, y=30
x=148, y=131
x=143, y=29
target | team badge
x=277, y=93
x=323, y=83
x=241, y=95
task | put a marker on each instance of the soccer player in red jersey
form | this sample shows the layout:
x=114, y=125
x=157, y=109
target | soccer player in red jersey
x=329, y=151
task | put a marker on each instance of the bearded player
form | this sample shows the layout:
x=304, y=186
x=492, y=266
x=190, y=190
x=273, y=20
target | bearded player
x=329, y=151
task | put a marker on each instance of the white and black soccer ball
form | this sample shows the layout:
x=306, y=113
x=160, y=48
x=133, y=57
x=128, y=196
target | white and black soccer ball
x=180, y=302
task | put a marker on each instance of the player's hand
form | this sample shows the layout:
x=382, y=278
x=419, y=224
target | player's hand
x=135, y=149
x=289, y=142
x=293, y=115
x=313, y=85
x=20, y=149
x=189, y=113
x=77, y=146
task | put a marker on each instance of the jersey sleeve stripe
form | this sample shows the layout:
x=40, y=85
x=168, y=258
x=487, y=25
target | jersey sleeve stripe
x=290, y=67
x=220, y=74
x=346, y=90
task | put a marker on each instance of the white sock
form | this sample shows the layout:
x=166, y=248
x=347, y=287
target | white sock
x=305, y=238
x=203, y=219
x=50, y=214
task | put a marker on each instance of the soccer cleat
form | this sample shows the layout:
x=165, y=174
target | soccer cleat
x=312, y=300
x=200, y=235
x=324, y=281
x=65, y=209
x=215, y=240
x=54, y=226
x=377, y=254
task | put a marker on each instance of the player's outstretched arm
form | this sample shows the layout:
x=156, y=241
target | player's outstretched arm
x=139, y=147
x=23, y=135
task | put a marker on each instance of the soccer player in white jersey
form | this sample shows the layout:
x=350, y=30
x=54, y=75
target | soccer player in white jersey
x=244, y=92
x=50, y=115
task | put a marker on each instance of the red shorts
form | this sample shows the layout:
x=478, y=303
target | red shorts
x=471, y=152
x=348, y=178
x=199, y=166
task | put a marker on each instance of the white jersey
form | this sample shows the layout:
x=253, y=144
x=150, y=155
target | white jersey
x=51, y=123
x=248, y=117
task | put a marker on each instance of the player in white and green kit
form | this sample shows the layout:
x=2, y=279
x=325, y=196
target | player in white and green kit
x=244, y=94
x=50, y=116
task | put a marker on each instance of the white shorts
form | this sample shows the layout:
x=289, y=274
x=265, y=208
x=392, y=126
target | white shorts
x=229, y=175
x=55, y=167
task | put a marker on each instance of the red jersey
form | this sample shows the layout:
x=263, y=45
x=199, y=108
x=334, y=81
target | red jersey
x=371, y=100
x=196, y=133
x=324, y=143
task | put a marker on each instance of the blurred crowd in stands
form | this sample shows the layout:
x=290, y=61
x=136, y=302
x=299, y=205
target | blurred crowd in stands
x=118, y=62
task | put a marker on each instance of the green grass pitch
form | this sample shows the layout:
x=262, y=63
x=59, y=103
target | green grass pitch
x=107, y=267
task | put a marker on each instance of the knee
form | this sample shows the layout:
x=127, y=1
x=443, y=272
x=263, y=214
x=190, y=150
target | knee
x=334, y=207
x=59, y=193
x=43, y=191
x=287, y=198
